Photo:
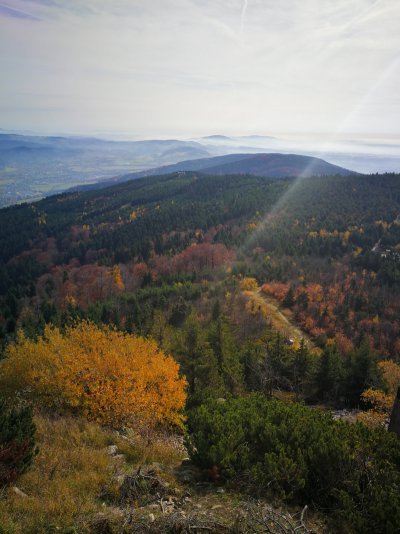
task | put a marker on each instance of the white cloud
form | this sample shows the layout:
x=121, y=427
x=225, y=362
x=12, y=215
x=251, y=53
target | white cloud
x=190, y=66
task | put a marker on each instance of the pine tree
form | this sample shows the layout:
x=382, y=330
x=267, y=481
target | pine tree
x=226, y=354
x=17, y=442
x=289, y=298
x=301, y=368
x=198, y=362
x=362, y=372
x=330, y=373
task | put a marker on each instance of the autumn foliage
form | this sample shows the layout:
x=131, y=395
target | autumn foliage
x=342, y=309
x=106, y=375
x=380, y=403
x=248, y=284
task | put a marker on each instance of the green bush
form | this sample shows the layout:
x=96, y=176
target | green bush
x=17, y=443
x=293, y=452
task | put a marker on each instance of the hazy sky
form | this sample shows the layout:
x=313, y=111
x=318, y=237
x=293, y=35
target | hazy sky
x=188, y=67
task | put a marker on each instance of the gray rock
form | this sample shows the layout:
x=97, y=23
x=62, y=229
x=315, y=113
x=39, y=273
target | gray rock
x=20, y=493
x=112, y=450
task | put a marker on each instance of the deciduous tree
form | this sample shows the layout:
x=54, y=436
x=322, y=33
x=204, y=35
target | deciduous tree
x=110, y=377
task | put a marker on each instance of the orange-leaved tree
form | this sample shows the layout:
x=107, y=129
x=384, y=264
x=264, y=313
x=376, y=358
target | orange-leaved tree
x=381, y=403
x=106, y=375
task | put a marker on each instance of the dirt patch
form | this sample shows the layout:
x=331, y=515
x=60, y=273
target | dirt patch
x=278, y=317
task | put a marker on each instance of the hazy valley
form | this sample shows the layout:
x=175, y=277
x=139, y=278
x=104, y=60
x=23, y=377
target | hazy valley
x=32, y=167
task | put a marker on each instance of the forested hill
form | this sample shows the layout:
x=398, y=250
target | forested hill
x=263, y=164
x=125, y=218
x=152, y=221
x=272, y=165
x=119, y=217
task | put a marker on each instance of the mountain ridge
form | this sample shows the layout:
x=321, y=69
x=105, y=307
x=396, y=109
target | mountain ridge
x=271, y=165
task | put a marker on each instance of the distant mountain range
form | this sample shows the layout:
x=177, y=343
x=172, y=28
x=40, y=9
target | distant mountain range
x=163, y=150
x=32, y=167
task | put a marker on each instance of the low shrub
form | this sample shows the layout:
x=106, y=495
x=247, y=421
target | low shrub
x=299, y=454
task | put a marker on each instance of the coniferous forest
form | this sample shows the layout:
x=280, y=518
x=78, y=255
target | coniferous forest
x=252, y=324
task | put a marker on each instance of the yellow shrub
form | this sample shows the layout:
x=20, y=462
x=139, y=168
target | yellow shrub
x=380, y=404
x=248, y=284
x=391, y=375
x=108, y=376
x=377, y=399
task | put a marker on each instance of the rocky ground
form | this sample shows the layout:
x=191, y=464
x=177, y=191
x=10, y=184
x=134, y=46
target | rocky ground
x=157, y=498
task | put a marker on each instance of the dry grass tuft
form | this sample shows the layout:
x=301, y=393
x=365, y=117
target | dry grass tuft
x=64, y=481
x=74, y=473
x=144, y=449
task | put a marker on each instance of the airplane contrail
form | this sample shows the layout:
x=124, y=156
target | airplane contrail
x=244, y=9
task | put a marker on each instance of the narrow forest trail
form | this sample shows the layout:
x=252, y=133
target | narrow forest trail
x=280, y=320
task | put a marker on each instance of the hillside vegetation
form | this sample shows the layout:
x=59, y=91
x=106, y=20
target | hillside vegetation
x=146, y=307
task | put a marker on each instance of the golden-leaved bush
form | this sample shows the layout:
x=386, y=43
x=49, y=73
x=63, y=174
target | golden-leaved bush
x=108, y=376
x=248, y=284
x=381, y=403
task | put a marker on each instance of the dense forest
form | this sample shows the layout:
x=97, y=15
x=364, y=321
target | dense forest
x=274, y=297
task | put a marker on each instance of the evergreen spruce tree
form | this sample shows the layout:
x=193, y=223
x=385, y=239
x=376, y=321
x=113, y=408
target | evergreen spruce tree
x=226, y=354
x=198, y=362
x=289, y=298
x=17, y=442
x=362, y=372
x=301, y=368
x=329, y=375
